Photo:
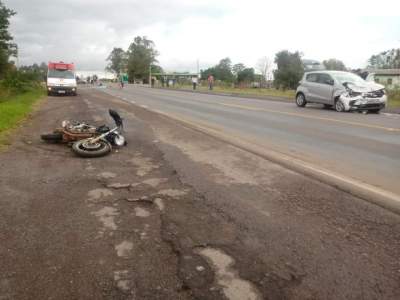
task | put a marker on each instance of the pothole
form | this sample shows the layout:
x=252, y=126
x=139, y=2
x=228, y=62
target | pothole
x=159, y=203
x=234, y=287
x=172, y=192
x=123, y=249
x=107, y=175
x=106, y=216
x=96, y=194
x=154, y=182
x=144, y=165
x=141, y=212
x=121, y=278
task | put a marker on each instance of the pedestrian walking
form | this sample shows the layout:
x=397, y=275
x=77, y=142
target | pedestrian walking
x=194, y=82
x=210, y=82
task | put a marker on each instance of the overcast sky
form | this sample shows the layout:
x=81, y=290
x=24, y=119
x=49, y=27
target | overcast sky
x=85, y=31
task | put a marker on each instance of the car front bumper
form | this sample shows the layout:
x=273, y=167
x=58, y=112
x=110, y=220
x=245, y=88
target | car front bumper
x=360, y=103
x=61, y=89
x=368, y=106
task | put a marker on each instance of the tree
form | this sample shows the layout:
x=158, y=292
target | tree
x=117, y=59
x=389, y=59
x=156, y=69
x=7, y=48
x=264, y=66
x=141, y=54
x=246, y=75
x=207, y=72
x=237, y=68
x=223, y=71
x=36, y=71
x=334, y=64
x=290, y=69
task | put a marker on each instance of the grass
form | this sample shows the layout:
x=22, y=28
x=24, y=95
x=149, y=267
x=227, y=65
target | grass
x=14, y=109
x=289, y=94
x=394, y=98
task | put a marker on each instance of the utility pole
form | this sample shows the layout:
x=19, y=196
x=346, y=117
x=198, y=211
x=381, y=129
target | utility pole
x=150, y=75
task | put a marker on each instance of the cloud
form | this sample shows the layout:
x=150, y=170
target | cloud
x=85, y=32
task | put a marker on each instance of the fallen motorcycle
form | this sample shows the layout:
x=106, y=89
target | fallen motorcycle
x=88, y=140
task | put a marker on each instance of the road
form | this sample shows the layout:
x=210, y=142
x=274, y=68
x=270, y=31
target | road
x=361, y=147
x=178, y=214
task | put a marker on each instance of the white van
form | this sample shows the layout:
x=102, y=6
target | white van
x=61, y=79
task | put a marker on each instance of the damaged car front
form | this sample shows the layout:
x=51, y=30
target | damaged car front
x=360, y=95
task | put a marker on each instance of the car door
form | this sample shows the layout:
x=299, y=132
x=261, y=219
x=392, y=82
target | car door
x=324, y=88
x=310, y=83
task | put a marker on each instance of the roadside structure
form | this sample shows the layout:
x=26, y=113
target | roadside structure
x=388, y=77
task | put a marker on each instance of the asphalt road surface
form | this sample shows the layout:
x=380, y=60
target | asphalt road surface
x=362, y=147
x=179, y=214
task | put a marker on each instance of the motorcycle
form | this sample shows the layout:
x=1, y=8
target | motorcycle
x=88, y=140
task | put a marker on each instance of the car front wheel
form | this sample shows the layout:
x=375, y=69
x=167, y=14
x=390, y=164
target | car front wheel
x=301, y=100
x=339, y=106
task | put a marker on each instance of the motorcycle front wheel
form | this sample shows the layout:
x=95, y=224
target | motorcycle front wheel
x=85, y=148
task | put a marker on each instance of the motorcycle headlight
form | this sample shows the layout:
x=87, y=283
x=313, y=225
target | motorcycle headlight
x=119, y=140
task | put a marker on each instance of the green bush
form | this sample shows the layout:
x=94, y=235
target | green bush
x=394, y=98
x=17, y=82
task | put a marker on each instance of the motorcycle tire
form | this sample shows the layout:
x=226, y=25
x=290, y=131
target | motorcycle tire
x=54, y=137
x=84, y=149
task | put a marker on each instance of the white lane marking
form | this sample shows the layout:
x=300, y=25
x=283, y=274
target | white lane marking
x=312, y=117
x=394, y=116
x=368, y=192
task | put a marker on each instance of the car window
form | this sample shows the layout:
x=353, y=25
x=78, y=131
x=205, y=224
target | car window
x=312, y=77
x=344, y=77
x=324, y=78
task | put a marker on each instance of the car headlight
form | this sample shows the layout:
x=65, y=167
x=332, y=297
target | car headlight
x=353, y=93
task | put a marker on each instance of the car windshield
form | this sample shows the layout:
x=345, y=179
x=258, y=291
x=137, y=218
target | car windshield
x=349, y=77
x=66, y=74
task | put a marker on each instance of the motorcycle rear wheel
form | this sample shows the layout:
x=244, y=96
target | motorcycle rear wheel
x=84, y=148
x=54, y=137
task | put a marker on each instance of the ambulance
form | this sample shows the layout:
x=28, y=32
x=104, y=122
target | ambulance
x=61, y=79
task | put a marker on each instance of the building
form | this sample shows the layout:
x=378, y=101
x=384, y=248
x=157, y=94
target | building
x=388, y=77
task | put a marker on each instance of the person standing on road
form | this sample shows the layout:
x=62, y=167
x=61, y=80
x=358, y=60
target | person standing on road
x=121, y=82
x=210, y=82
x=194, y=82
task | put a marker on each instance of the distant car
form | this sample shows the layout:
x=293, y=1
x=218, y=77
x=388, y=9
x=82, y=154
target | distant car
x=342, y=90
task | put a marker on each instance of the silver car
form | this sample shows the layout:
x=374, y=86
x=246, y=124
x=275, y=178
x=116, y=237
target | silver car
x=342, y=90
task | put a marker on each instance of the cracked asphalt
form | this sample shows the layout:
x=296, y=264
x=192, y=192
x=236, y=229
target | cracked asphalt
x=177, y=214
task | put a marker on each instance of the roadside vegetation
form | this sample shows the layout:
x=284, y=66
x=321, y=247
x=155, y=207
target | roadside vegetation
x=14, y=109
x=394, y=98
x=278, y=78
x=19, y=89
x=258, y=92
